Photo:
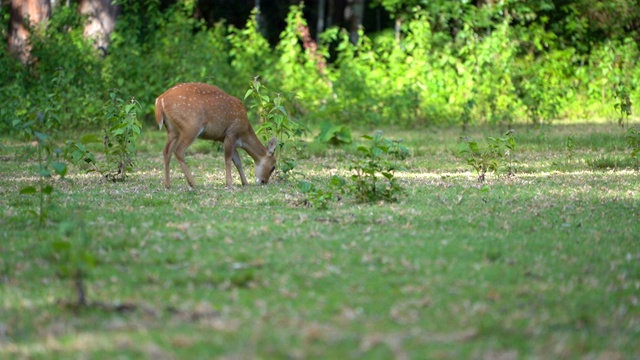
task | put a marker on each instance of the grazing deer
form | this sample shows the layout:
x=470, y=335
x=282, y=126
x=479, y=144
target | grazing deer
x=196, y=110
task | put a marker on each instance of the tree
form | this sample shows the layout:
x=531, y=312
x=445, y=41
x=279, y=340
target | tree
x=101, y=21
x=26, y=16
x=353, y=13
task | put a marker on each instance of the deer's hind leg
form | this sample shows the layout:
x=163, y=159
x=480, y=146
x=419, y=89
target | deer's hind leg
x=182, y=143
x=168, y=149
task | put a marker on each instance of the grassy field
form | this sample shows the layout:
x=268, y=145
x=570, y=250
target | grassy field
x=544, y=264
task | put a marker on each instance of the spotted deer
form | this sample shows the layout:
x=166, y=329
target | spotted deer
x=195, y=110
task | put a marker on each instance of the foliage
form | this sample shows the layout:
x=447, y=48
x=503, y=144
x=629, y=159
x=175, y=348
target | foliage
x=65, y=68
x=447, y=63
x=320, y=197
x=120, y=134
x=73, y=257
x=373, y=176
x=78, y=153
x=623, y=104
x=570, y=145
x=301, y=69
x=250, y=54
x=153, y=51
x=35, y=126
x=275, y=122
x=633, y=139
x=489, y=158
x=47, y=167
x=334, y=134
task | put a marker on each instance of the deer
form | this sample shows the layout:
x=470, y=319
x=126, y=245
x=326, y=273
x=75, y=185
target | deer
x=190, y=111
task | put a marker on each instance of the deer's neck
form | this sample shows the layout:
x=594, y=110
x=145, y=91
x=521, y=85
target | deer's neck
x=252, y=145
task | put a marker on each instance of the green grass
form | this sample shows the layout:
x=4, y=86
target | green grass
x=545, y=264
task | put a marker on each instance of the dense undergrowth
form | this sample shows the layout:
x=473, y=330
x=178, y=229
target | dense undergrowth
x=495, y=70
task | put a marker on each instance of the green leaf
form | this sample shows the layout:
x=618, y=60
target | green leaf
x=305, y=186
x=90, y=138
x=28, y=190
x=47, y=190
x=337, y=181
x=129, y=107
x=60, y=168
x=61, y=245
x=89, y=259
x=41, y=136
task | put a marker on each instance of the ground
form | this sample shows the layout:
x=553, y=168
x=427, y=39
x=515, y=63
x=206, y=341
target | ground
x=542, y=264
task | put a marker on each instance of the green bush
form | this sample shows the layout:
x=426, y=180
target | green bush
x=373, y=177
x=497, y=153
x=465, y=66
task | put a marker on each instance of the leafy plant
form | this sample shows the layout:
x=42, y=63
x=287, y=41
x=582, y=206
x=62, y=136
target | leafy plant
x=73, y=257
x=623, y=107
x=47, y=167
x=623, y=104
x=609, y=162
x=334, y=134
x=508, y=143
x=275, y=121
x=120, y=134
x=77, y=152
x=488, y=158
x=319, y=198
x=34, y=127
x=633, y=139
x=569, y=144
x=373, y=178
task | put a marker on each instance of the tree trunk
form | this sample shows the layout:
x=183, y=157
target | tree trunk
x=321, y=15
x=481, y=3
x=26, y=14
x=331, y=9
x=353, y=13
x=102, y=20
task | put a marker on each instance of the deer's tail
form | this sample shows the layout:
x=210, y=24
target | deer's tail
x=160, y=112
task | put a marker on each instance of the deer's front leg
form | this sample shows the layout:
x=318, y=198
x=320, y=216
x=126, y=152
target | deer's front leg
x=238, y=163
x=229, y=149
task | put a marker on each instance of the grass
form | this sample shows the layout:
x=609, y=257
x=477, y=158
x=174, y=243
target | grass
x=545, y=264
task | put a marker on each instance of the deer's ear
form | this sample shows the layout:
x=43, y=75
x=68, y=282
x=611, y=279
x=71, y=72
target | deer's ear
x=271, y=146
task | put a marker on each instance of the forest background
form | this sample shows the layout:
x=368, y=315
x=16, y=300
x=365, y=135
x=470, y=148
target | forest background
x=399, y=63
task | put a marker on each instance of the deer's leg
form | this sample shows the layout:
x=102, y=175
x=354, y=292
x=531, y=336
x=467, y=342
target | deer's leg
x=229, y=149
x=238, y=163
x=168, y=149
x=183, y=142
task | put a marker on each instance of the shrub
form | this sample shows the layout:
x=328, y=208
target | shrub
x=373, y=176
x=320, y=197
x=490, y=157
x=121, y=131
x=275, y=122
x=334, y=134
